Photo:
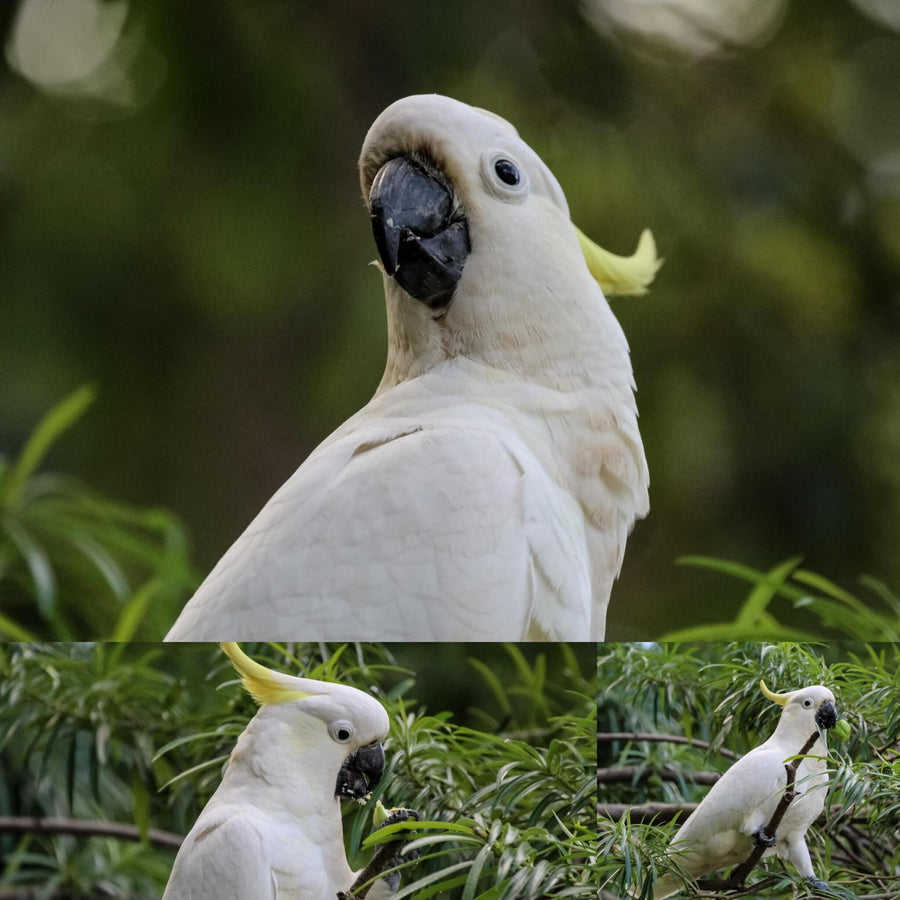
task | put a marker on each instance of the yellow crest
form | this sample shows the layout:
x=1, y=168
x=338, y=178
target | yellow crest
x=780, y=699
x=621, y=275
x=264, y=685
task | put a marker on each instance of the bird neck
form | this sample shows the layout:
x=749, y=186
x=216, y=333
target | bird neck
x=793, y=734
x=283, y=767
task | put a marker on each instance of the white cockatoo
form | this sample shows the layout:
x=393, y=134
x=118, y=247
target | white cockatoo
x=732, y=818
x=272, y=830
x=487, y=489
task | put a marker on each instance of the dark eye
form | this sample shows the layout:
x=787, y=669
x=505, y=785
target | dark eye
x=807, y=703
x=507, y=172
x=341, y=730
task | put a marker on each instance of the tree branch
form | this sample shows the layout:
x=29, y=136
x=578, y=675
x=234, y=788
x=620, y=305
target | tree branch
x=647, y=812
x=664, y=738
x=87, y=828
x=740, y=874
x=382, y=859
x=641, y=773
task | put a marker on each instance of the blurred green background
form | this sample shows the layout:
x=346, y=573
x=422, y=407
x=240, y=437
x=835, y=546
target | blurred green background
x=181, y=226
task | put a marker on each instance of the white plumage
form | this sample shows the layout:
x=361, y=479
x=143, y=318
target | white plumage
x=487, y=489
x=272, y=830
x=719, y=833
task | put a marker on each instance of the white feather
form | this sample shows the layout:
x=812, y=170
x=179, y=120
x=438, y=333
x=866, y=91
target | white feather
x=487, y=489
x=718, y=834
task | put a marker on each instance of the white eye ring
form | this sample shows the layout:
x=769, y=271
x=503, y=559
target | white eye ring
x=807, y=703
x=504, y=176
x=341, y=730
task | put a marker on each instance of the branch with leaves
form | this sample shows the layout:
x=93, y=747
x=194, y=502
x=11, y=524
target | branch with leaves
x=88, y=828
x=710, y=691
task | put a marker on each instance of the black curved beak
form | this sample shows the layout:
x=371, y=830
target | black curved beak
x=421, y=235
x=360, y=772
x=826, y=717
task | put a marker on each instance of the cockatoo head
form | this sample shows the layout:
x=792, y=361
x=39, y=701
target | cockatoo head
x=329, y=728
x=805, y=710
x=473, y=231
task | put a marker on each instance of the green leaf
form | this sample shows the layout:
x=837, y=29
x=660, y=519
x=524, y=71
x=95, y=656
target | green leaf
x=135, y=611
x=9, y=630
x=48, y=431
x=766, y=589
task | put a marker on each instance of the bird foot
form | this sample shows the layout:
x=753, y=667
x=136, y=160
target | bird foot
x=816, y=885
x=395, y=816
x=762, y=838
x=398, y=815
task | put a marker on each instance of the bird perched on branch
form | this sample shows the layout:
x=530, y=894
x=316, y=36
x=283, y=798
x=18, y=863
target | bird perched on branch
x=273, y=827
x=732, y=818
x=487, y=489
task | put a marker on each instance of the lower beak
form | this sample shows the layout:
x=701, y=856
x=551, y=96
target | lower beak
x=360, y=772
x=826, y=717
x=422, y=238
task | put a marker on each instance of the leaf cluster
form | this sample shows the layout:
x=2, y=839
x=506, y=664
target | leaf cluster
x=61, y=543
x=709, y=694
x=830, y=610
x=140, y=734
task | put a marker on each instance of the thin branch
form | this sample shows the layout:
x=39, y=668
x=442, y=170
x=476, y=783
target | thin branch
x=743, y=870
x=664, y=738
x=647, y=812
x=87, y=828
x=666, y=773
x=666, y=812
x=382, y=860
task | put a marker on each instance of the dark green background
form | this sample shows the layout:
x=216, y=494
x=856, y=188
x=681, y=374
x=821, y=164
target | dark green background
x=184, y=229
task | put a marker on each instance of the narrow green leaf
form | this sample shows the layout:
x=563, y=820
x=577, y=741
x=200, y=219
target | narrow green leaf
x=728, y=631
x=766, y=588
x=37, y=561
x=48, y=431
x=140, y=797
x=11, y=631
x=135, y=610
x=828, y=588
x=494, y=683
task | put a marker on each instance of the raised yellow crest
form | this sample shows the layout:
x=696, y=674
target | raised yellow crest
x=780, y=699
x=621, y=275
x=264, y=685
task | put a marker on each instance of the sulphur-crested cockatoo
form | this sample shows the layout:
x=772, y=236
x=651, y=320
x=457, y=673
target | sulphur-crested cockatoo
x=732, y=818
x=487, y=489
x=272, y=830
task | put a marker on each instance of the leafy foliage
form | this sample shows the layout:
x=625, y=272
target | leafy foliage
x=709, y=694
x=138, y=733
x=62, y=545
x=837, y=612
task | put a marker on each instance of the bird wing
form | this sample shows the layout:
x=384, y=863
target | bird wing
x=718, y=833
x=234, y=853
x=226, y=859
x=441, y=528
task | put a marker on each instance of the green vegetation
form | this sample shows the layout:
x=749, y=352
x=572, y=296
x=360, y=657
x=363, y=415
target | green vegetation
x=709, y=694
x=74, y=564
x=138, y=734
x=181, y=226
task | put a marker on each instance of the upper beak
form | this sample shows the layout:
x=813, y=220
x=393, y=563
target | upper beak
x=826, y=717
x=422, y=238
x=360, y=772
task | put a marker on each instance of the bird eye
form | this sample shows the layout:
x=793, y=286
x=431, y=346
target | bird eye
x=507, y=172
x=807, y=703
x=503, y=177
x=340, y=731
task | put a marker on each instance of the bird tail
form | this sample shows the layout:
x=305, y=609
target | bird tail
x=665, y=887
